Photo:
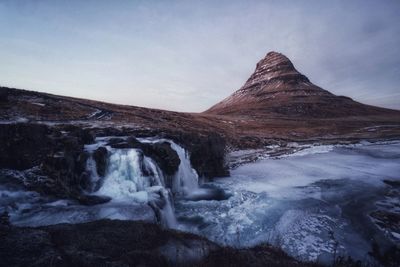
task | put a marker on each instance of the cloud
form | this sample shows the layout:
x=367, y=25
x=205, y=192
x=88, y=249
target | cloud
x=188, y=55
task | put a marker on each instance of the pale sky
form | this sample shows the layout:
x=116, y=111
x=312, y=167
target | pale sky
x=189, y=55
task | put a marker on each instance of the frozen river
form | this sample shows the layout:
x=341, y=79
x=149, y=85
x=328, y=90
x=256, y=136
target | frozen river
x=315, y=203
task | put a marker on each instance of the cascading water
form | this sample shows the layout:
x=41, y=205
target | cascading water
x=94, y=177
x=133, y=177
x=186, y=179
x=124, y=179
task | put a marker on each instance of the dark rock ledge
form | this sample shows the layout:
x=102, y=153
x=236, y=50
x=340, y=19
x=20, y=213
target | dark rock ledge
x=124, y=243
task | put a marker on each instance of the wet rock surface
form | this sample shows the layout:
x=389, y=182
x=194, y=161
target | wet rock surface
x=125, y=243
x=164, y=155
x=53, y=159
x=207, y=153
x=100, y=157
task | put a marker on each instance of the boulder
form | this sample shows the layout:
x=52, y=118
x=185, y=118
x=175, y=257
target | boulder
x=164, y=155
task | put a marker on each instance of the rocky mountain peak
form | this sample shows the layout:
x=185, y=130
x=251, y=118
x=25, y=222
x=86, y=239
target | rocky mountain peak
x=277, y=89
x=274, y=66
x=274, y=58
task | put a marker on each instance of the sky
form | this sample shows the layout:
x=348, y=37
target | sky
x=189, y=55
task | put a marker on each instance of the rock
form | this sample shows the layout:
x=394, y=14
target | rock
x=258, y=256
x=392, y=183
x=85, y=181
x=207, y=154
x=3, y=95
x=66, y=165
x=126, y=243
x=107, y=131
x=59, y=159
x=24, y=145
x=164, y=155
x=100, y=156
x=84, y=136
x=91, y=200
x=5, y=224
x=115, y=140
x=88, y=136
x=121, y=143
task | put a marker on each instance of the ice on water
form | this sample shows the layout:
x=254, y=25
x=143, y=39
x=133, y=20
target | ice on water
x=312, y=203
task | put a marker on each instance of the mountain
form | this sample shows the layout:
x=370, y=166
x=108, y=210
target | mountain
x=277, y=104
x=276, y=88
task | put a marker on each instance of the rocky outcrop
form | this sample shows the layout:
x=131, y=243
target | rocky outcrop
x=125, y=243
x=55, y=155
x=163, y=154
x=24, y=145
x=207, y=153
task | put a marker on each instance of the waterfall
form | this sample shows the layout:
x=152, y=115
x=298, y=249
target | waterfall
x=94, y=177
x=186, y=179
x=124, y=179
x=134, y=177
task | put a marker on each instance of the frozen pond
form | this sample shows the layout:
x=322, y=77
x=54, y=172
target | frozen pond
x=314, y=203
